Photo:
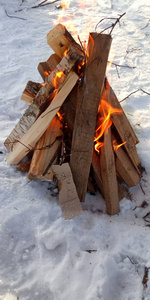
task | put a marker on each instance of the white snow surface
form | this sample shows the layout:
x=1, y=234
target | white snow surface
x=42, y=256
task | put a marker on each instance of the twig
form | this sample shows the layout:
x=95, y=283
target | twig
x=146, y=25
x=14, y=17
x=112, y=26
x=43, y=3
x=117, y=65
x=134, y=93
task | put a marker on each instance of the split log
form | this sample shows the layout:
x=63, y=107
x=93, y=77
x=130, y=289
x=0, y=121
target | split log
x=59, y=39
x=72, y=57
x=86, y=111
x=68, y=198
x=67, y=63
x=108, y=175
x=125, y=168
x=22, y=126
x=30, y=138
x=123, y=127
x=30, y=91
x=45, y=68
x=46, y=147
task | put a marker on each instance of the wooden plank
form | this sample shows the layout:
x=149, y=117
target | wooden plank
x=30, y=91
x=59, y=39
x=30, y=138
x=125, y=167
x=45, y=68
x=68, y=198
x=98, y=178
x=108, y=175
x=46, y=148
x=86, y=111
x=123, y=127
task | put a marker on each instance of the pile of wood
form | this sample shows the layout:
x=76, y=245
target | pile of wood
x=62, y=126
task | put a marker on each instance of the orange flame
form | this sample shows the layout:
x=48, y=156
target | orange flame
x=117, y=146
x=56, y=79
x=47, y=73
x=104, y=121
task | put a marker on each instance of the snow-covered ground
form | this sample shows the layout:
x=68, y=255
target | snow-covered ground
x=42, y=256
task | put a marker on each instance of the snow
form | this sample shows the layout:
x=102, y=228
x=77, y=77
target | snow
x=93, y=256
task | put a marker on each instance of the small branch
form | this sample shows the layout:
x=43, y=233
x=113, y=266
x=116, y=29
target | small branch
x=14, y=17
x=112, y=26
x=134, y=93
x=146, y=25
x=43, y=3
x=117, y=65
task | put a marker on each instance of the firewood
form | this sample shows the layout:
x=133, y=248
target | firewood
x=31, y=89
x=45, y=68
x=22, y=126
x=30, y=138
x=108, y=175
x=46, y=148
x=86, y=111
x=125, y=167
x=68, y=198
x=59, y=39
x=24, y=166
x=72, y=56
x=41, y=98
x=123, y=127
x=98, y=178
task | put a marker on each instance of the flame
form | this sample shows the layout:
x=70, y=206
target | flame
x=116, y=147
x=60, y=116
x=104, y=121
x=47, y=73
x=56, y=79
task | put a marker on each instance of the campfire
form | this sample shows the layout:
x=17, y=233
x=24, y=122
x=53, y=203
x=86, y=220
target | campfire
x=75, y=128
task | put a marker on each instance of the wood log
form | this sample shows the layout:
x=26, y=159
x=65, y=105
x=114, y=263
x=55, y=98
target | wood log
x=108, y=175
x=22, y=126
x=46, y=149
x=30, y=91
x=45, y=68
x=125, y=167
x=59, y=39
x=30, y=138
x=72, y=57
x=123, y=128
x=86, y=111
x=68, y=198
x=33, y=111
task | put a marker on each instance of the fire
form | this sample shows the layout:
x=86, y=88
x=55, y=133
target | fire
x=117, y=146
x=104, y=121
x=47, y=73
x=58, y=76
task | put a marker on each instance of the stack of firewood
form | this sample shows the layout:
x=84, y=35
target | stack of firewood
x=74, y=127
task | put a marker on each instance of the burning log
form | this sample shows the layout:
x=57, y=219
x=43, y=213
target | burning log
x=30, y=138
x=68, y=198
x=42, y=97
x=44, y=154
x=86, y=111
x=45, y=68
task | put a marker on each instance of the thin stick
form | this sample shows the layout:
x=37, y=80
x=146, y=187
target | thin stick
x=14, y=17
x=134, y=93
x=43, y=3
x=112, y=26
x=117, y=65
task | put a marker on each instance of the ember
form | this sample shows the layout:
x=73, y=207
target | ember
x=75, y=128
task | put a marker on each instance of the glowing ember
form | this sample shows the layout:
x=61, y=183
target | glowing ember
x=47, y=73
